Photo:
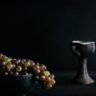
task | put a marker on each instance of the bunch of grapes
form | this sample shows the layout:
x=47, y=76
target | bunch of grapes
x=13, y=66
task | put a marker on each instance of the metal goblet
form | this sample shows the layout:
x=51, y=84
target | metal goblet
x=83, y=50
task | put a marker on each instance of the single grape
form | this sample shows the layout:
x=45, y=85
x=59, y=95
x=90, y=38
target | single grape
x=16, y=73
x=52, y=76
x=6, y=73
x=13, y=65
x=36, y=68
x=1, y=55
x=46, y=73
x=7, y=60
x=27, y=64
x=3, y=63
x=18, y=68
x=48, y=80
x=53, y=81
x=18, y=61
x=42, y=67
x=9, y=66
x=42, y=77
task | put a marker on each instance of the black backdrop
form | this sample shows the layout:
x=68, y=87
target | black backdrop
x=43, y=30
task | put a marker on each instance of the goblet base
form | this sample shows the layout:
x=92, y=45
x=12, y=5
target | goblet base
x=86, y=80
x=82, y=74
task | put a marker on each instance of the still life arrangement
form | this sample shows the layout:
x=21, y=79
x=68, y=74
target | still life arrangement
x=18, y=75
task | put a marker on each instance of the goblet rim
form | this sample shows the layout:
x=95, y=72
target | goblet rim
x=83, y=42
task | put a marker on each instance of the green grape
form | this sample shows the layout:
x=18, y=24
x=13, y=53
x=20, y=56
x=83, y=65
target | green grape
x=36, y=69
x=53, y=81
x=46, y=73
x=27, y=64
x=18, y=68
x=7, y=60
x=9, y=66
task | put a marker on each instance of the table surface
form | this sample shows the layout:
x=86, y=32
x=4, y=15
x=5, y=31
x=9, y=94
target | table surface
x=65, y=87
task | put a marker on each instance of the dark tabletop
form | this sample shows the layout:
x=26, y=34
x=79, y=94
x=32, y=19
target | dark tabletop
x=66, y=87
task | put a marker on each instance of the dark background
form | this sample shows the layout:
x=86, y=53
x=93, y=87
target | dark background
x=43, y=30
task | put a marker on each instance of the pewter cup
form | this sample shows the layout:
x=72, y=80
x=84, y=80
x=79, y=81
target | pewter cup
x=83, y=50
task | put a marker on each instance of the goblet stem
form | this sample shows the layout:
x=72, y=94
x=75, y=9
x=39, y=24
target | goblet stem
x=82, y=66
x=82, y=73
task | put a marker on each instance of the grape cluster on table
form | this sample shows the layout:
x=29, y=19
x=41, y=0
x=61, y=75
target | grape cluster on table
x=13, y=66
